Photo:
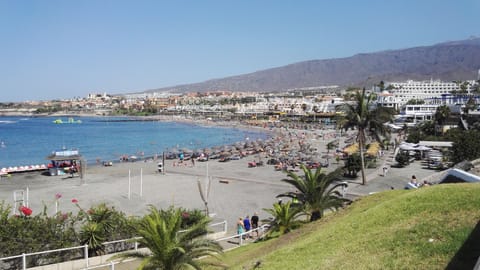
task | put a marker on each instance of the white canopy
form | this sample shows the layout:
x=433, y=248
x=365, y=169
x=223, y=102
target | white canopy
x=436, y=143
x=423, y=148
x=408, y=146
x=413, y=147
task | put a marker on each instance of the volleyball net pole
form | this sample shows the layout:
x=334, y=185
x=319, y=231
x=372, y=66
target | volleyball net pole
x=141, y=182
x=129, y=183
x=129, y=194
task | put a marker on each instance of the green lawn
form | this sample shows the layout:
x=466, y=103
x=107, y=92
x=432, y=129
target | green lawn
x=399, y=229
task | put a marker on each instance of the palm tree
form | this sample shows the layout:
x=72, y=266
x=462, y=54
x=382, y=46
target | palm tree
x=367, y=122
x=284, y=217
x=315, y=111
x=99, y=226
x=169, y=247
x=316, y=192
x=331, y=145
x=441, y=115
x=340, y=120
x=470, y=105
x=93, y=235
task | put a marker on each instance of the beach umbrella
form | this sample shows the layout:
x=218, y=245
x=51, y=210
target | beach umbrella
x=238, y=146
x=351, y=149
x=407, y=147
x=186, y=150
x=328, y=156
x=423, y=148
x=373, y=149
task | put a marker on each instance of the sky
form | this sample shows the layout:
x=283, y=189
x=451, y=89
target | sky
x=65, y=49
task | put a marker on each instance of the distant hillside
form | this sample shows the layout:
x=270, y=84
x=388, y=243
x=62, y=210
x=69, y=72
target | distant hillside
x=457, y=60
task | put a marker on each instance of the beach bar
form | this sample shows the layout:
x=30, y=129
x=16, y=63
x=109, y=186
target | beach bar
x=65, y=162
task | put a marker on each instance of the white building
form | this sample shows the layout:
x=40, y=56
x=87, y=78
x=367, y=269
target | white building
x=387, y=99
x=432, y=93
x=431, y=90
x=420, y=112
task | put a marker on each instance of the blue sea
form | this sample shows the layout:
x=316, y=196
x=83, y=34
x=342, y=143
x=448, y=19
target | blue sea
x=28, y=141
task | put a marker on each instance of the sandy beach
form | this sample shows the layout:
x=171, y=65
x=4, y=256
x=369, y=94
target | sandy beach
x=236, y=190
x=248, y=189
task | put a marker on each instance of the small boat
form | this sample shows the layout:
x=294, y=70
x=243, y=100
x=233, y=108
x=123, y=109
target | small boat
x=69, y=121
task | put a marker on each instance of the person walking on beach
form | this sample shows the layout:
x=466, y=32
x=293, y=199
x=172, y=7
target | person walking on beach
x=246, y=224
x=240, y=227
x=72, y=169
x=254, y=221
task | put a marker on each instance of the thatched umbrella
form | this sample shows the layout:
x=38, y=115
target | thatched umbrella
x=351, y=149
x=187, y=150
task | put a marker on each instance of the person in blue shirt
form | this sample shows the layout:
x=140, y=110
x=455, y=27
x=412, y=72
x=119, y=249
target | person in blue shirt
x=246, y=224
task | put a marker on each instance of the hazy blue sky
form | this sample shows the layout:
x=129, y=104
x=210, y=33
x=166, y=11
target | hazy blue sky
x=63, y=49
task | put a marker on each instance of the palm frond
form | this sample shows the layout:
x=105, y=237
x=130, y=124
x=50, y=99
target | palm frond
x=171, y=249
x=316, y=191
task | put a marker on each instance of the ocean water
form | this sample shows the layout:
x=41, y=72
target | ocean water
x=28, y=141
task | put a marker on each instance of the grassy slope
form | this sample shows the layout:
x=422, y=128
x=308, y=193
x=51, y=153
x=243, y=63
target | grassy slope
x=390, y=230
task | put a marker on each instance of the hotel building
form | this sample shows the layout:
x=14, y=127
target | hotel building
x=433, y=93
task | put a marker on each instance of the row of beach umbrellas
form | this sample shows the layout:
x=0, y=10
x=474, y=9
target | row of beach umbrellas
x=280, y=147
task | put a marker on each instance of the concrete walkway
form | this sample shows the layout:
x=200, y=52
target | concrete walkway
x=396, y=178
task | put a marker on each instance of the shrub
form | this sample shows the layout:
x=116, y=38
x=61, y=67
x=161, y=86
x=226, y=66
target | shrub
x=403, y=159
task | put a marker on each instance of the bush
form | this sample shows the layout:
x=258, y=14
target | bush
x=26, y=234
x=353, y=165
x=403, y=159
x=371, y=164
x=190, y=217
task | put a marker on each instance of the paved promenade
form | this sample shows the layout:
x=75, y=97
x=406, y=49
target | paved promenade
x=396, y=178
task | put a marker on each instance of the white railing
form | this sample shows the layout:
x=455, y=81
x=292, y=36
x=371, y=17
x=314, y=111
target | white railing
x=25, y=255
x=84, y=249
x=111, y=264
x=241, y=236
x=223, y=224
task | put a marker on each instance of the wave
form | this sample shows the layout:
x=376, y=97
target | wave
x=7, y=122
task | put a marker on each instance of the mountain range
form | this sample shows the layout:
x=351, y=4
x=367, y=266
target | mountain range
x=455, y=60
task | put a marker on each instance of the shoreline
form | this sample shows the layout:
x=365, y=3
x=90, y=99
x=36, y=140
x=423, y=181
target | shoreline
x=237, y=190
x=266, y=132
x=233, y=125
